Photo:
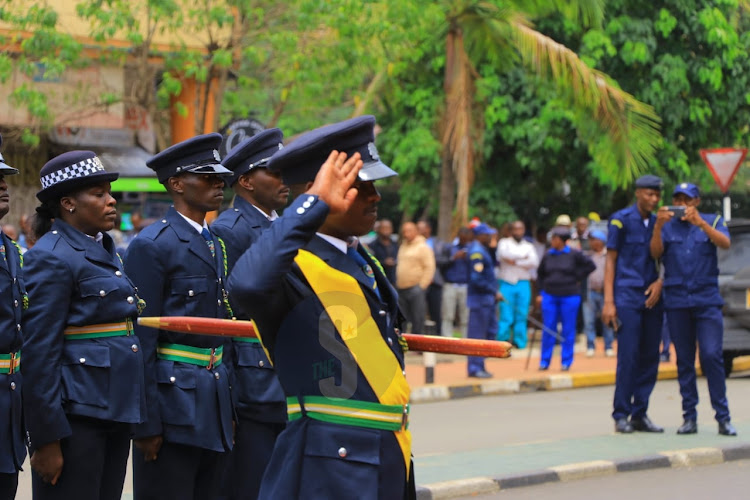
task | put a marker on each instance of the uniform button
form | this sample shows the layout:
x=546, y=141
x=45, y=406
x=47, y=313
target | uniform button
x=218, y=302
x=300, y=210
x=54, y=232
x=15, y=303
x=130, y=300
x=172, y=380
x=382, y=312
x=396, y=331
x=342, y=452
x=18, y=327
x=82, y=361
x=236, y=209
x=190, y=293
x=390, y=341
x=311, y=199
x=261, y=363
x=102, y=293
x=307, y=204
x=118, y=273
x=164, y=221
x=12, y=386
x=404, y=372
x=217, y=375
x=134, y=347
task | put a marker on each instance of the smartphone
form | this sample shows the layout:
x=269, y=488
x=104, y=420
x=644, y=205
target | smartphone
x=678, y=210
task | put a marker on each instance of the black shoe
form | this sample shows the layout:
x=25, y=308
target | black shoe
x=481, y=374
x=688, y=427
x=727, y=429
x=622, y=425
x=644, y=424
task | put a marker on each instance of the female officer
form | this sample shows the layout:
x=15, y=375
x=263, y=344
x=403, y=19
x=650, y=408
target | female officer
x=82, y=364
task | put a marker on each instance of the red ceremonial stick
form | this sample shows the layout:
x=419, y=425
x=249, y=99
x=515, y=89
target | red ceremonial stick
x=239, y=328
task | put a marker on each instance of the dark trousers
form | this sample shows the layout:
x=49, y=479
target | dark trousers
x=95, y=459
x=253, y=445
x=180, y=472
x=412, y=304
x=637, y=360
x=705, y=326
x=434, y=303
x=482, y=325
x=8, y=486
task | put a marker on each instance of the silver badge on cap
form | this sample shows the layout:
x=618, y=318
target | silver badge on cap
x=281, y=146
x=683, y=185
x=216, y=155
x=373, y=151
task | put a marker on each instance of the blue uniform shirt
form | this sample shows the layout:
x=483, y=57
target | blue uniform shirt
x=482, y=282
x=458, y=270
x=690, y=264
x=636, y=269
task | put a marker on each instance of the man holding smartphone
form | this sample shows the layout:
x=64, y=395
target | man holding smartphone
x=632, y=289
x=687, y=245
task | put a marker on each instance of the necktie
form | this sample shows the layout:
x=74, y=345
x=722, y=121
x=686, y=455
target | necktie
x=365, y=267
x=209, y=241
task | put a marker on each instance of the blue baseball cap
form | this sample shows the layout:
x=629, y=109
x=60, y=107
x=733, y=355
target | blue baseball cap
x=198, y=155
x=598, y=234
x=687, y=189
x=254, y=152
x=300, y=161
x=483, y=228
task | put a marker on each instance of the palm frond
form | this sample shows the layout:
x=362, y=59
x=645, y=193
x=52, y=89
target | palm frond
x=588, y=12
x=631, y=128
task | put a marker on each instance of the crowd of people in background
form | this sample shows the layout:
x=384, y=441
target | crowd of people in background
x=556, y=275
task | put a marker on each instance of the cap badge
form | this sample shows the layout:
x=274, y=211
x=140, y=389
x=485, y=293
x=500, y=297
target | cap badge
x=373, y=151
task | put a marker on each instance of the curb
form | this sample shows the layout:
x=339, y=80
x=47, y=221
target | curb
x=583, y=470
x=553, y=382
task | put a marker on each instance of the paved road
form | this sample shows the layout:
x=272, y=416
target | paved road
x=728, y=481
x=498, y=435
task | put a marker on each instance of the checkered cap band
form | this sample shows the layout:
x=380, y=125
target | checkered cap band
x=83, y=168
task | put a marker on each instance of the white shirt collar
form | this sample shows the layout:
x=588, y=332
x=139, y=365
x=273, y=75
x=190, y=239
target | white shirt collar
x=271, y=217
x=98, y=238
x=194, y=224
x=338, y=243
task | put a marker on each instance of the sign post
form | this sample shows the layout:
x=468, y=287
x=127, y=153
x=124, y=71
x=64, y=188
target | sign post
x=724, y=164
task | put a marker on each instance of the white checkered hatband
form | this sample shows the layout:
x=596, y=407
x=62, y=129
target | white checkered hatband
x=83, y=168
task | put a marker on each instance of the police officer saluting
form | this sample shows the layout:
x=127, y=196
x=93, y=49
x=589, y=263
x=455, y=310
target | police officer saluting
x=327, y=316
x=687, y=246
x=632, y=289
x=179, y=266
x=12, y=302
x=260, y=402
x=82, y=364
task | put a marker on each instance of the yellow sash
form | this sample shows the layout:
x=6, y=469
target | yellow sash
x=347, y=307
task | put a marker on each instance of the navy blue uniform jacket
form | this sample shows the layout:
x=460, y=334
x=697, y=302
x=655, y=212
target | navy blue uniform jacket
x=175, y=273
x=256, y=389
x=482, y=281
x=74, y=281
x=314, y=459
x=12, y=291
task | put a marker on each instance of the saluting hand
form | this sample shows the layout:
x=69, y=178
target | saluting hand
x=334, y=181
x=149, y=446
x=47, y=461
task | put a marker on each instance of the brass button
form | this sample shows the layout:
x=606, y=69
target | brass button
x=82, y=361
x=134, y=347
x=172, y=380
x=118, y=273
x=342, y=452
x=130, y=300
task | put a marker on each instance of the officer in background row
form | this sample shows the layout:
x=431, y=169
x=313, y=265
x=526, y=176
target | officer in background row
x=483, y=296
x=259, y=400
x=180, y=269
x=328, y=318
x=632, y=289
x=687, y=246
x=12, y=302
x=82, y=363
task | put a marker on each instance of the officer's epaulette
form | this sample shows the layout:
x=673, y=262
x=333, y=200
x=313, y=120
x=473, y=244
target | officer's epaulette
x=154, y=230
x=233, y=217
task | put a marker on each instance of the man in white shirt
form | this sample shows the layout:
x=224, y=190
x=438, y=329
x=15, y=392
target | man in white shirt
x=518, y=258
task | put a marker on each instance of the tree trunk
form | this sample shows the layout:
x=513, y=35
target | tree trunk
x=447, y=201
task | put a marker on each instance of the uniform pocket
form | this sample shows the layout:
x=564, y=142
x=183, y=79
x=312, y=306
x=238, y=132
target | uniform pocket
x=85, y=373
x=252, y=354
x=97, y=293
x=176, y=392
x=190, y=292
x=337, y=451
